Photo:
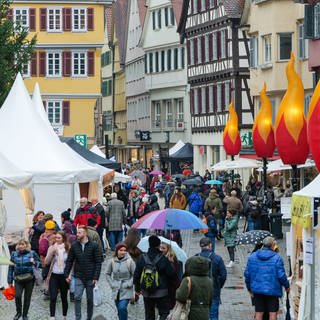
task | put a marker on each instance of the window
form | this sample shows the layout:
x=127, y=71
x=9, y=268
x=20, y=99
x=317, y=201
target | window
x=54, y=110
x=175, y=58
x=203, y=100
x=195, y=101
x=166, y=16
x=303, y=46
x=159, y=19
x=214, y=46
x=191, y=42
x=210, y=99
x=274, y=109
x=25, y=70
x=172, y=17
x=180, y=110
x=227, y=93
x=307, y=100
x=169, y=115
x=53, y=64
x=157, y=112
x=106, y=88
x=163, y=61
x=317, y=21
x=79, y=64
x=150, y=62
x=213, y=3
x=219, y=102
x=253, y=52
x=267, y=48
x=21, y=17
x=54, y=20
x=285, y=46
x=157, y=61
x=153, y=20
x=105, y=58
x=169, y=60
x=223, y=44
x=79, y=19
x=182, y=58
x=203, y=5
x=206, y=48
x=199, y=50
x=195, y=6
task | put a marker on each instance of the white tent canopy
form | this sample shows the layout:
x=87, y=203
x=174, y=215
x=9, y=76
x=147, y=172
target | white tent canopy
x=240, y=163
x=95, y=149
x=176, y=147
x=278, y=165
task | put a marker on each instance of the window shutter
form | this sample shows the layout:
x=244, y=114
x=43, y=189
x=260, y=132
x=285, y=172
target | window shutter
x=10, y=14
x=199, y=5
x=223, y=97
x=67, y=19
x=66, y=63
x=188, y=52
x=42, y=64
x=308, y=21
x=207, y=99
x=91, y=63
x=44, y=105
x=90, y=17
x=159, y=18
x=210, y=47
x=166, y=18
x=199, y=100
x=226, y=41
x=195, y=47
x=43, y=19
x=66, y=113
x=192, y=101
x=218, y=44
x=214, y=93
x=33, y=70
x=32, y=19
x=203, y=51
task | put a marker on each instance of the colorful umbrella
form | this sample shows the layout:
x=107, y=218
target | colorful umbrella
x=169, y=219
x=214, y=182
x=139, y=174
x=143, y=245
x=156, y=172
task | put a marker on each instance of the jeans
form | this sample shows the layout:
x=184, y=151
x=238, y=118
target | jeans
x=214, y=309
x=27, y=287
x=114, y=238
x=162, y=304
x=80, y=285
x=122, y=307
x=57, y=283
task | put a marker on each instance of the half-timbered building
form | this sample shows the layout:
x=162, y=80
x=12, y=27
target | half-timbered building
x=218, y=72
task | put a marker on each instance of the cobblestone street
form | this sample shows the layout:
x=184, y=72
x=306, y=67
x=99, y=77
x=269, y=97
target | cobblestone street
x=236, y=303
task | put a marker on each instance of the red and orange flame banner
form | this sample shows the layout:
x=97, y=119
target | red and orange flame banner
x=262, y=131
x=290, y=125
x=231, y=137
x=314, y=125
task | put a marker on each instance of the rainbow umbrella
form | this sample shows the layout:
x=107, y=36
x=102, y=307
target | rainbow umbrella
x=169, y=219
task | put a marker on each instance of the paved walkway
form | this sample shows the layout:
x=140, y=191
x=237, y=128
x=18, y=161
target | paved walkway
x=236, y=304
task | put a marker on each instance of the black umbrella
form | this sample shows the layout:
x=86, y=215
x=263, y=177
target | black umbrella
x=178, y=176
x=191, y=182
x=252, y=237
x=288, y=317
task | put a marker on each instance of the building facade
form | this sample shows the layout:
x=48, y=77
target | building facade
x=138, y=98
x=275, y=29
x=218, y=73
x=165, y=77
x=66, y=63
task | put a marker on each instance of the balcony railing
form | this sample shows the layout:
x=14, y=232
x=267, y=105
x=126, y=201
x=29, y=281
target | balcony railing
x=174, y=125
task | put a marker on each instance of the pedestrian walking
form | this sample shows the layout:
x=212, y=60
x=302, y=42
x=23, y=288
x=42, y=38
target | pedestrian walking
x=86, y=258
x=21, y=272
x=134, y=204
x=233, y=203
x=93, y=234
x=212, y=230
x=218, y=274
x=119, y=271
x=116, y=216
x=46, y=239
x=196, y=286
x=99, y=210
x=195, y=203
x=84, y=212
x=56, y=258
x=153, y=275
x=178, y=199
x=230, y=233
x=68, y=227
x=265, y=276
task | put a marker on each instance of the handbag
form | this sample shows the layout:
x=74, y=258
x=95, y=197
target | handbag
x=97, y=298
x=181, y=310
x=24, y=277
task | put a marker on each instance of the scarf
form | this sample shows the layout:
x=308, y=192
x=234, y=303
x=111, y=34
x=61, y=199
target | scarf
x=60, y=250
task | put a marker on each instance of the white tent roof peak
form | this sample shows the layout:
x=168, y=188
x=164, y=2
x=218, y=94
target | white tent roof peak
x=38, y=104
x=95, y=149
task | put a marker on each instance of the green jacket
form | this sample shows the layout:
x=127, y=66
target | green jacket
x=201, y=288
x=230, y=231
x=213, y=201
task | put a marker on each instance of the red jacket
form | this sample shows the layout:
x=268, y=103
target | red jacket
x=83, y=214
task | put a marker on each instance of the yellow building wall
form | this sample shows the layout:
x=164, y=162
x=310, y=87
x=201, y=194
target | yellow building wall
x=120, y=92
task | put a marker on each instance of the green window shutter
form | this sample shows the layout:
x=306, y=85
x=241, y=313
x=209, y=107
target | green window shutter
x=104, y=88
x=308, y=21
x=102, y=60
x=108, y=57
x=109, y=88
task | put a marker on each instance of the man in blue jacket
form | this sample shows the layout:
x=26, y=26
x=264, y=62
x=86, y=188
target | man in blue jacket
x=265, y=275
x=218, y=273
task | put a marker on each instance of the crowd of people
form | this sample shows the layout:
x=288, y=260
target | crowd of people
x=71, y=252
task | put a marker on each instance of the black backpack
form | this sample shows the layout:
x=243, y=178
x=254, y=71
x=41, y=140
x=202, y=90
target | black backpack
x=149, y=280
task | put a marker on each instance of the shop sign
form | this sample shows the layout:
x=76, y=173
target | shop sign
x=145, y=135
x=301, y=211
x=81, y=139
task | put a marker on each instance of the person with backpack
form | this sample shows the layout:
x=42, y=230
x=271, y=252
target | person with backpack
x=119, y=272
x=212, y=230
x=152, y=277
x=218, y=273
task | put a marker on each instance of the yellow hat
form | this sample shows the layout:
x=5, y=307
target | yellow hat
x=50, y=225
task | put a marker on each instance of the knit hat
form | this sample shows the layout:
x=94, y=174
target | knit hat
x=91, y=222
x=154, y=242
x=118, y=247
x=66, y=214
x=50, y=225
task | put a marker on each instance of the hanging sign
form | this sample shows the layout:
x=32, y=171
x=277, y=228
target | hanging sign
x=301, y=211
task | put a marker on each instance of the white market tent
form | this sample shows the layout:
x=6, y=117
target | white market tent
x=176, y=147
x=240, y=163
x=28, y=142
x=278, y=165
x=95, y=149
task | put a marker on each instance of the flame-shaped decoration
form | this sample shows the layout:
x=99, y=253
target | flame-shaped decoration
x=262, y=131
x=290, y=125
x=231, y=137
x=313, y=125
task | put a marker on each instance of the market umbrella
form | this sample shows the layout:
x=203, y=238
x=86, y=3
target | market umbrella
x=178, y=176
x=214, y=182
x=143, y=245
x=156, y=172
x=140, y=174
x=4, y=261
x=169, y=219
x=252, y=237
x=191, y=182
